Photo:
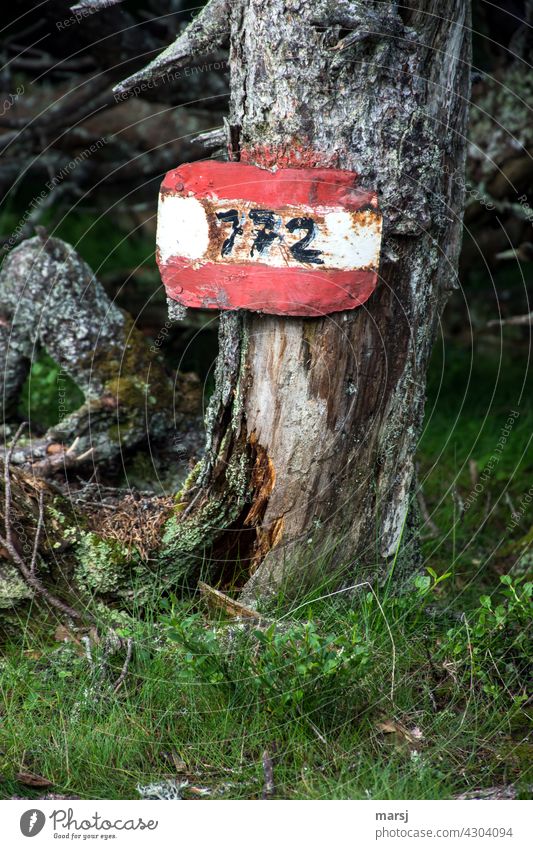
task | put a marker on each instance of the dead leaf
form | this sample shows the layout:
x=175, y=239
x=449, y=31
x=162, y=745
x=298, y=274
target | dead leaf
x=391, y=726
x=63, y=635
x=55, y=448
x=31, y=779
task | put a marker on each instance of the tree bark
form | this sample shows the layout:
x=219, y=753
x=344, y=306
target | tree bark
x=321, y=417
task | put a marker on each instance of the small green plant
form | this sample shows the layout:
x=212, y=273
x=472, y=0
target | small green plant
x=291, y=668
x=303, y=668
x=493, y=640
x=426, y=584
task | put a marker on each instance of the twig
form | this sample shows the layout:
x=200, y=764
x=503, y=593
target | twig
x=7, y=481
x=518, y=320
x=459, y=503
x=28, y=572
x=509, y=501
x=88, y=652
x=471, y=688
x=93, y=5
x=38, y=533
x=121, y=678
x=268, y=771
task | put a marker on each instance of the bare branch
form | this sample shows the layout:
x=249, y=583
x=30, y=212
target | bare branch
x=28, y=572
x=93, y=5
x=38, y=533
x=211, y=139
x=121, y=678
x=207, y=31
x=517, y=320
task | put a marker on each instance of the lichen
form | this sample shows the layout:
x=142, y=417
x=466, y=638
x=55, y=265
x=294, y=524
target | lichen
x=101, y=563
x=13, y=588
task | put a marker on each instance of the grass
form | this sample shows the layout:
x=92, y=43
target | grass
x=412, y=696
x=441, y=727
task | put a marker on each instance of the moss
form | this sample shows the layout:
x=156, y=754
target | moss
x=188, y=483
x=101, y=563
x=184, y=539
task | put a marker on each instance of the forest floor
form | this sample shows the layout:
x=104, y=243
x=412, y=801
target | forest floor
x=364, y=694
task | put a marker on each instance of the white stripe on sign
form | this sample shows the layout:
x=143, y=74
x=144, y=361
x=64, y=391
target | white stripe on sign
x=238, y=231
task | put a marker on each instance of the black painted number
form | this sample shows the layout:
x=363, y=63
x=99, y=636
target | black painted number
x=300, y=250
x=267, y=227
x=233, y=217
x=266, y=235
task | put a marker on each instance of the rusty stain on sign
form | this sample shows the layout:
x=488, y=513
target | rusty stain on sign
x=290, y=242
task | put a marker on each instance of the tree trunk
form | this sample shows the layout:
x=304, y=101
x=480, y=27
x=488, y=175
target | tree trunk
x=314, y=423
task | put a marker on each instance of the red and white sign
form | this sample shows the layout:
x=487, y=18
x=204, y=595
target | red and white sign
x=289, y=242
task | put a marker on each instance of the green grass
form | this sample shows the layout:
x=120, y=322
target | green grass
x=471, y=396
x=425, y=708
x=427, y=700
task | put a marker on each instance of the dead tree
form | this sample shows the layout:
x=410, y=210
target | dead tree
x=314, y=423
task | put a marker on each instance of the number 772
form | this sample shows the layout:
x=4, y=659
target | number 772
x=267, y=228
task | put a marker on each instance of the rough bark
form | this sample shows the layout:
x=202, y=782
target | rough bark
x=321, y=417
x=50, y=298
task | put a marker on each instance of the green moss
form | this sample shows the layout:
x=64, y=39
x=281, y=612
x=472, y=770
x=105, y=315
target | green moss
x=39, y=396
x=188, y=483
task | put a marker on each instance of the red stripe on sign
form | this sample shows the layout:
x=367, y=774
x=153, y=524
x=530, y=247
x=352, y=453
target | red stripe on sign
x=295, y=241
x=312, y=187
x=293, y=291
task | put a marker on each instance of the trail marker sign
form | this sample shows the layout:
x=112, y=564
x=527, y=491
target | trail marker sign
x=296, y=241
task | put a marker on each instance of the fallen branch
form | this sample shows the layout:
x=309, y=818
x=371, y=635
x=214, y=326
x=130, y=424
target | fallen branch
x=122, y=677
x=28, y=572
